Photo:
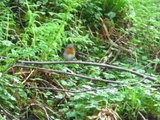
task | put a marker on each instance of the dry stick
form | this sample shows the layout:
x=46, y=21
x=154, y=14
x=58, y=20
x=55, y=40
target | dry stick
x=63, y=90
x=45, y=81
x=39, y=88
x=72, y=74
x=156, y=64
x=43, y=108
x=141, y=115
x=115, y=57
x=79, y=91
x=28, y=77
x=72, y=91
x=93, y=64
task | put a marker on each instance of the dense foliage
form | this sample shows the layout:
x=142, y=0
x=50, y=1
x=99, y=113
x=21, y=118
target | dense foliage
x=124, y=33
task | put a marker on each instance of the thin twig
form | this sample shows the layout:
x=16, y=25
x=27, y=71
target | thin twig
x=78, y=91
x=63, y=90
x=142, y=116
x=43, y=108
x=28, y=77
x=53, y=111
x=157, y=63
x=116, y=56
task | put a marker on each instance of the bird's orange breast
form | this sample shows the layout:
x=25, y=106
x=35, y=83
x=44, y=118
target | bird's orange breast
x=70, y=51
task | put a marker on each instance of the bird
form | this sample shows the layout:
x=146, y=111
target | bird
x=69, y=52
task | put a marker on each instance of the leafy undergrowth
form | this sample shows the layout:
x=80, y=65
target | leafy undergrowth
x=146, y=24
x=146, y=28
x=103, y=32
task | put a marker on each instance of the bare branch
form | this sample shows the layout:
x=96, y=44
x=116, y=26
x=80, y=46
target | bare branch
x=76, y=91
x=28, y=76
x=63, y=90
x=86, y=63
x=68, y=73
x=93, y=64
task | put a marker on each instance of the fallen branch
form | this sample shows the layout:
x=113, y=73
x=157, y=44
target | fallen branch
x=73, y=91
x=67, y=73
x=91, y=63
x=63, y=90
x=86, y=63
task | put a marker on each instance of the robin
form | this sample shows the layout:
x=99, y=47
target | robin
x=69, y=52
